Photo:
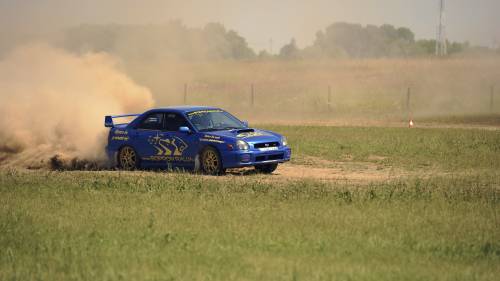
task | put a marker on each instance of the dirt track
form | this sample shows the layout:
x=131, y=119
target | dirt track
x=369, y=174
x=307, y=168
x=324, y=170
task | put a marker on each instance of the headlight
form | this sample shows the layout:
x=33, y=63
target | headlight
x=242, y=145
x=284, y=141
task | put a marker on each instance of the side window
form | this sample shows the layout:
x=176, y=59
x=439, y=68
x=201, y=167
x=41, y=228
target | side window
x=154, y=121
x=173, y=121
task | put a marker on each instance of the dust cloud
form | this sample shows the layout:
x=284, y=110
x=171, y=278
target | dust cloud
x=53, y=102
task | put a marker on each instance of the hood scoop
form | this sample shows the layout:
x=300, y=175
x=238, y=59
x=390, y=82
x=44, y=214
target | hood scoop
x=242, y=131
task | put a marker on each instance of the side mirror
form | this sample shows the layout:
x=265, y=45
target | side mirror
x=245, y=123
x=184, y=130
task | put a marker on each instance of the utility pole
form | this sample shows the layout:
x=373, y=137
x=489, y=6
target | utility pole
x=329, y=98
x=408, y=98
x=441, y=47
x=492, y=98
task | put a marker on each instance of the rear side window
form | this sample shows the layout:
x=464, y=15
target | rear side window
x=174, y=121
x=154, y=121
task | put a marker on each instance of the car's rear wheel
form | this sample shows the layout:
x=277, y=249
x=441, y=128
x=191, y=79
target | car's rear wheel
x=267, y=168
x=127, y=159
x=211, y=162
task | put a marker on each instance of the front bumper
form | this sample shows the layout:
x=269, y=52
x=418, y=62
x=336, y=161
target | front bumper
x=240, y=159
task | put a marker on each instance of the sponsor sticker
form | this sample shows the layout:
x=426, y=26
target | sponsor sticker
x=120, y=138
x=168, y=158
x=204, y=111
x=166, y=146
x=210, y=138
x=121, y=132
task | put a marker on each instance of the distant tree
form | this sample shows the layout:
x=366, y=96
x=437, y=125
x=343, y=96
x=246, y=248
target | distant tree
x=457, y=47
x=173, y=40
x=375, y=42
x=215, y=41
x=355, y=40
x=426, y=47
x=226, y=44
x=152, y=42
x=290, y=50
x=389, y=31
x=263, y=54
x=346, y=36
x=406, y=34
x=239, y=46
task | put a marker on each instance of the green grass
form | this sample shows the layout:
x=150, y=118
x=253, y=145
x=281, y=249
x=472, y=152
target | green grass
x=470, y=119
x=443, y=149
x=155, y=226
x=167, y=226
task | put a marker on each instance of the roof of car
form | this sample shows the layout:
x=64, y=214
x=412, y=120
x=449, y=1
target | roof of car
x=184, y=109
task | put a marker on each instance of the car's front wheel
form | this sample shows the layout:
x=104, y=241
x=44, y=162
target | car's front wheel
x=211, y=162
x=267, y=168
x=127, y=159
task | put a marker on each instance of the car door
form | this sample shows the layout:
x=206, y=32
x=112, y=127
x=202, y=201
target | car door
x=183, y=146
x=147, y=139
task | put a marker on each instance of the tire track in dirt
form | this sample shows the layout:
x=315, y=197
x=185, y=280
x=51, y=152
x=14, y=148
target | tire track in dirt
x=298, y=172
x=314, y=168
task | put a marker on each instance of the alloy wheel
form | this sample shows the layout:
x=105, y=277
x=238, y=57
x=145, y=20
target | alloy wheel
x=128, y=158
x=211, y=162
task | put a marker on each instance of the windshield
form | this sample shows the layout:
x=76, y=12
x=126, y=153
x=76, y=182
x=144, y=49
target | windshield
x=214, y=120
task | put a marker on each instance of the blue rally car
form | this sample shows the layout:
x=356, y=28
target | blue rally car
x=204, y=139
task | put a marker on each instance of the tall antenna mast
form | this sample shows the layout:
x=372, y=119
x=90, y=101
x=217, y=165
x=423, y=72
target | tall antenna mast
x=441, y=47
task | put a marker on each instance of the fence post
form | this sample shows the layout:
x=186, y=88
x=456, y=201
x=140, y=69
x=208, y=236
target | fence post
x=408, y=97
x=492, y=97
x=408, y=108
x=185, y=93
x=329, y=97
x=252, y=95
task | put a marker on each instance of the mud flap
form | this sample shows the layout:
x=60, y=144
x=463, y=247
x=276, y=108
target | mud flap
x=197, y=164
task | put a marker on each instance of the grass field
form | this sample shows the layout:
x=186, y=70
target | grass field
x=374, y=89
x=426, y=148
x=172, y=226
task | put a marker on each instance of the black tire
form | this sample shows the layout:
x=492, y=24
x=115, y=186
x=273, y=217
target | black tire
x=128, y=159
x=211, y=162
x=266, y=168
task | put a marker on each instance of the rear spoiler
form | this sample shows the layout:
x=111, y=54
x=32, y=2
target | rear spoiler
x=108, y=120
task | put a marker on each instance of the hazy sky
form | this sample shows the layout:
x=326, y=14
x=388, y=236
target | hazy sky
x=259, y=20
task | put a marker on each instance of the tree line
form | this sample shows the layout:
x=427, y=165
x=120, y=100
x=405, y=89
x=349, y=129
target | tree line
x=347, y=40
x=154, y=42
x=174, y=40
